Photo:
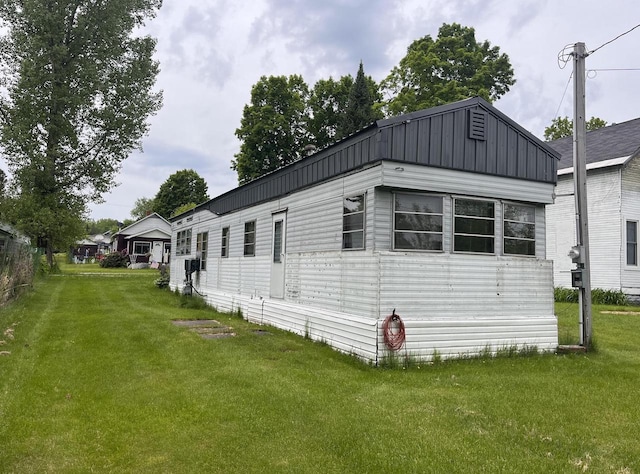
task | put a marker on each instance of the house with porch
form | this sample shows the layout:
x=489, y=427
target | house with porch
x=430, y=226
x=147, y=240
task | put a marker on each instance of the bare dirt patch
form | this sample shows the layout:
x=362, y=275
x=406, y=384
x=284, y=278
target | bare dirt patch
x=207, y=328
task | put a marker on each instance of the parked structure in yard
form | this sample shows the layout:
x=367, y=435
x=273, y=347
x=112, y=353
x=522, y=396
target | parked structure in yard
x=613, y=190
x=11, y=240
x=437, y=216
x=146, y=240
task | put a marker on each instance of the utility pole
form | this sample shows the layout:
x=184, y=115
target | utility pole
x=580, y=253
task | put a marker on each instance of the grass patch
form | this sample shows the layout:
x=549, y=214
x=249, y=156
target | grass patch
x=99, y=379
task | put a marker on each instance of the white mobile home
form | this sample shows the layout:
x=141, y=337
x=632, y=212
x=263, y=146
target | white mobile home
x=438, y=216
x=613, y=205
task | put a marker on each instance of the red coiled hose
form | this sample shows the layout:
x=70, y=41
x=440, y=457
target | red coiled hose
x=393, y=340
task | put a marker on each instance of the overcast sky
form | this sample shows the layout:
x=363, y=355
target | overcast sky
x=212, y=51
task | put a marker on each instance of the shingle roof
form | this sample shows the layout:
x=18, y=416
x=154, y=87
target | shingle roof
x=615, y=141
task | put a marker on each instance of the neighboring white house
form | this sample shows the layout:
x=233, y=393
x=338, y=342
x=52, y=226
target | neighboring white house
x=438, y=215
x=613, y=202
x=146, y=240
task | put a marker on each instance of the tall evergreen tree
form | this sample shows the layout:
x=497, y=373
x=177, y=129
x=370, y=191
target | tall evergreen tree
x=79, y=92
x=359, y=111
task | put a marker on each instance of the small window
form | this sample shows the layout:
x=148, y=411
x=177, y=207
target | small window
x=201, y=248
x=183, y=242
x=141, y=248
x=224, y=246
x=277, y=242
x=353, y=222
x=474, y=226
x=519, y=225
x=632, y=243
x=249, y=239
x=417, y=222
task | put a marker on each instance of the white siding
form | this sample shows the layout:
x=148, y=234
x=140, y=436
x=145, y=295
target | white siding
x=604, y=214
x=448, y=285
x=464, y=183
x=630, y=211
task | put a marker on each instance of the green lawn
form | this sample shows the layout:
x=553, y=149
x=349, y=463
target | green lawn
x=99, y=380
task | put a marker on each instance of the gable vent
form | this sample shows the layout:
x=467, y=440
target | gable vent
x=477, y=125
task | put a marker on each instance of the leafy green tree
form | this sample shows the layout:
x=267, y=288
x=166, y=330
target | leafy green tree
x=563, y=127
x=3, y=182
x=142, y=207
x=182, y=187
x=273, y=130
x=101, y=226
x=327, y=104
x=452, y=67
x=360, y=110
x=184, y=208
x=78, y=88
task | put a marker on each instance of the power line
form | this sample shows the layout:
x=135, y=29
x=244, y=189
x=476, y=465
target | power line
x=563, y=94
x=616, y=69
x=611, y=41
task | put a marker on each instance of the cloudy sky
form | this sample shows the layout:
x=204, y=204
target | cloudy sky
x=212, y=51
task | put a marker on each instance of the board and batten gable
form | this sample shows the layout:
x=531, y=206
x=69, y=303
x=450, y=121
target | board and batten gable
x=452, y=302
x=495, y=146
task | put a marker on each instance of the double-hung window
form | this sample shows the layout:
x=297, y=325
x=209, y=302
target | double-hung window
x=201, y=248
x=417, y=222
x=249, y=238
x=224, y=244
x=474, y=226
x=183, y=242
x=519, y=227
x=632, y=243
x=353, y=212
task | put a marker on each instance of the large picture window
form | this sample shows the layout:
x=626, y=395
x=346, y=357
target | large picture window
x=201, y=248
x=183, y=242
x=417, y=222
x=474, y=226
x=353, y=212
x=141, y=248
x=249, y=238
x=519, y=227
x=224, y=244
x=632, y=243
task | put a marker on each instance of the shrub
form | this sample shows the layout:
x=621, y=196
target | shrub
x=163, y=281
x=565, y=295
x=114, y=260
x=598, y=296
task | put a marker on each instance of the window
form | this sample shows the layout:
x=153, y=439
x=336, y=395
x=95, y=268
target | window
x=519, y=225
x=183, y=242
x=353, y=222
x=249, y=238
x=141, y=248
x=417, y=222
x=201, y=249
x=632, y=243
x=473, y=228
x=224, y=246
x=277, y=242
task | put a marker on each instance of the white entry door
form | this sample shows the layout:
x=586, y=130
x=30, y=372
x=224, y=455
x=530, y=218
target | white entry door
x=156, y=252
x=278, y=254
